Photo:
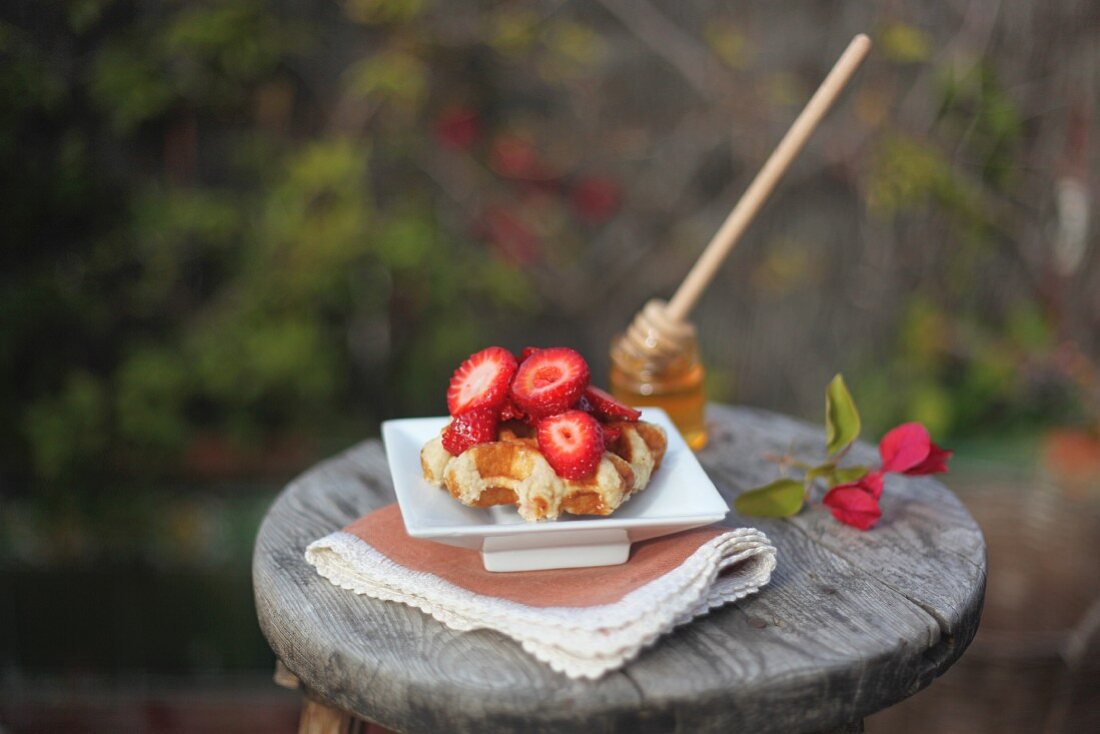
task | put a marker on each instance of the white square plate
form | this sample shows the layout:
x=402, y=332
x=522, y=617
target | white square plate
x=679, y=496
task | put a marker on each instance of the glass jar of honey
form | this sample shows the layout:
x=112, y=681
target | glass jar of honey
x=656, y=363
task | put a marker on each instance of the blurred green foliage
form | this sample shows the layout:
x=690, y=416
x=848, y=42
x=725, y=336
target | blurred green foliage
x=234, y=226
x=959, y=363
x=190, y=255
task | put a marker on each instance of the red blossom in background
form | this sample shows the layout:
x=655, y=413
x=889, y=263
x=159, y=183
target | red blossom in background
x=457, y=127
x=509, y=235
x=514, y=157
x=595, y=198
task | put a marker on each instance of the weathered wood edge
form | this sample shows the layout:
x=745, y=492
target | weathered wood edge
x=402, y=697
x=958, y=623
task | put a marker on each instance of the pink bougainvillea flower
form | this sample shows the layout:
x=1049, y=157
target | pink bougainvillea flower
x=854, y=504
x=871, y=482
x=457, y=127
x=514, y=157
x=934, y=463
x=904, y=447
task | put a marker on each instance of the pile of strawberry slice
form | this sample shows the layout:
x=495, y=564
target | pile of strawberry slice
x=546, y=388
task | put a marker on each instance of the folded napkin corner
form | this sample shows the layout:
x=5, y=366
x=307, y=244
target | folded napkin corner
x=582, y=622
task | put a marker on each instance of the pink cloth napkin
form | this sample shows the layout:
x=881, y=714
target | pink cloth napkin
x=581, y=621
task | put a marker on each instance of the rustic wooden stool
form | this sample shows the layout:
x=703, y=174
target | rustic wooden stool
x=852, y=621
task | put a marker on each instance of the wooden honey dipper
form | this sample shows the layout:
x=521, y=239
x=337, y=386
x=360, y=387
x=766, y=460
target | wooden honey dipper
x=658, y=332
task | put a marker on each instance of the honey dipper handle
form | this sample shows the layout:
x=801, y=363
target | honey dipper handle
x=757, y=193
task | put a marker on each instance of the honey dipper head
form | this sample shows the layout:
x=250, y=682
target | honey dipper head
x=654, y=338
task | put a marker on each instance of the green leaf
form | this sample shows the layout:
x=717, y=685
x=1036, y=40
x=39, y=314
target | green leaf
x=834, y=476
x=823, y=470
x=848, y=474
x=841, y=417
x=781, y=498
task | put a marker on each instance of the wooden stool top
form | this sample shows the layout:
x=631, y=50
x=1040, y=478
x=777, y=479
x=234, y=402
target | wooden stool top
x=851, y=622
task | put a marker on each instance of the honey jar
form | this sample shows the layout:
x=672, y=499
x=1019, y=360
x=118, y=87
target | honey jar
x=655, y=362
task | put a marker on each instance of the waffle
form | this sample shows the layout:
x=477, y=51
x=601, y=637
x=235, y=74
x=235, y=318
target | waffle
x=512, y=471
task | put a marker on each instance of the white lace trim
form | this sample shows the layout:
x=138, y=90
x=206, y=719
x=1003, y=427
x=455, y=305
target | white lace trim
x=577, y=641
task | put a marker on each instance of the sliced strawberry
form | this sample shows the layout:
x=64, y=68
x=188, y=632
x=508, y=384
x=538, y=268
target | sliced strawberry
x=481, y=381
x=527, y=352
x=550, y=381
x=607, y=408
x=511, y=412
x=572, y=442
x=612, y=432
x=478, y=425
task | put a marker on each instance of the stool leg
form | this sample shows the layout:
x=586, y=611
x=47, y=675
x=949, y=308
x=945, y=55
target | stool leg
x=284, y=677
x=317, y=718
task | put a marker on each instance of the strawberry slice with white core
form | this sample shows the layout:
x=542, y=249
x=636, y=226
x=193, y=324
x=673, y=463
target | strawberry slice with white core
x=572, y=442
x=605, y=407
x=478, y=425
x=550, y=381
x=481, y=381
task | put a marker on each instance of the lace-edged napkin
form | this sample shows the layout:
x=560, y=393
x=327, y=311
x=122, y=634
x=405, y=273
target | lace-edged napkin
x=582, y=622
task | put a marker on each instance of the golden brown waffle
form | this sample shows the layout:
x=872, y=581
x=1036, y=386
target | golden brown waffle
x=512, y=471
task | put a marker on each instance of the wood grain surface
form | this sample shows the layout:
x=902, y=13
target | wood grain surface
x=851, y=622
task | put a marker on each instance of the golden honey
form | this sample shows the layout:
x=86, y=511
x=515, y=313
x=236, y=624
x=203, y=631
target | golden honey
x=672, y=381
